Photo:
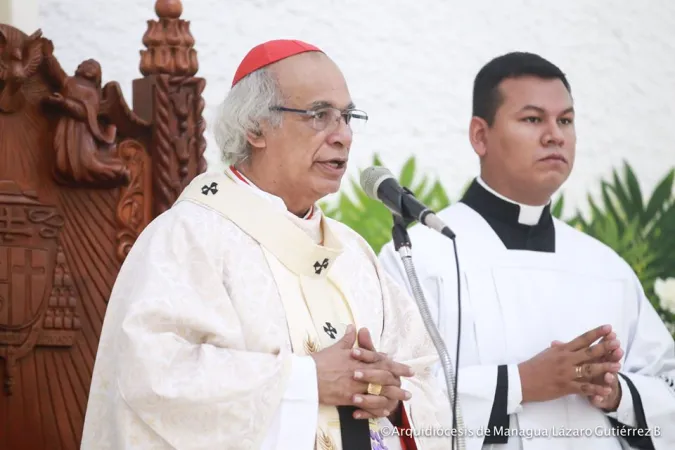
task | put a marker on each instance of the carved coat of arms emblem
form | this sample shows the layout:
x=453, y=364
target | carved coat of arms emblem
x=37, y=299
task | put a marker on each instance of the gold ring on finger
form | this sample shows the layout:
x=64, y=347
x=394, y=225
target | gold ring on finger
x=579, y=372
x=374, y=389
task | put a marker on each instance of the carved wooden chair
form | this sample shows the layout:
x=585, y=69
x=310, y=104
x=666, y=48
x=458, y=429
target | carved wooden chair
x=81, y=175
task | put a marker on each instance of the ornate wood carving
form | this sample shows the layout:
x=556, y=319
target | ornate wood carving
x=169, y=43
x=175, y=104
x=81, y=175
x=85, y=149
x=133, y=211
x=22, y=59
x=33, y=295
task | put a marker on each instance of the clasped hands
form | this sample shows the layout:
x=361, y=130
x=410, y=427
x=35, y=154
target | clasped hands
x=344, y=372
x=576, y=367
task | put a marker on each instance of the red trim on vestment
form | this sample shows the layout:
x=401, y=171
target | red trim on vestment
x=407, y=442
x=238, y=175
x=241, y=177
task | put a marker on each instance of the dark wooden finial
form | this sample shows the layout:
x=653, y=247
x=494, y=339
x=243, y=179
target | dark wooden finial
x=169, y=43
x=168, y=9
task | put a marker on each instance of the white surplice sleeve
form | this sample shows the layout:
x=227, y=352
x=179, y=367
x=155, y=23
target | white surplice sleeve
x=647, y=380
x=487, y=394
x=173, y=368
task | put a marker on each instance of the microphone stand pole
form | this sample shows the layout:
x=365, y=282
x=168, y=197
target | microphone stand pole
x=403, y=246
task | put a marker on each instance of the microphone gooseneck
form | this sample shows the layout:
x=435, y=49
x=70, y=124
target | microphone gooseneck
x=380, y=184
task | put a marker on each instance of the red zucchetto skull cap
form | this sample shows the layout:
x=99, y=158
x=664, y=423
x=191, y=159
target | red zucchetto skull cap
x=270, y=52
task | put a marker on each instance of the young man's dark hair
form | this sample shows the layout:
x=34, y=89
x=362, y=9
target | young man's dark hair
x=486, y=95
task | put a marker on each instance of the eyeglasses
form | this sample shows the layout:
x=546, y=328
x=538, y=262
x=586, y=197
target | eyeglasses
x=322, y=118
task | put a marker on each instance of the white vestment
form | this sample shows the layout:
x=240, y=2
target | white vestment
x=207, y=335
x=514, y=304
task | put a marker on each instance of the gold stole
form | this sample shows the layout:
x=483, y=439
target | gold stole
x=317, y=309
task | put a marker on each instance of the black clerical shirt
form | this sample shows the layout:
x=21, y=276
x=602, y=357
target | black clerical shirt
x=519, y=227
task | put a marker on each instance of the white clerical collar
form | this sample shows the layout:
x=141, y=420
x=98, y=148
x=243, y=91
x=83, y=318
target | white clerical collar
x=239, y=178
x=528, y=215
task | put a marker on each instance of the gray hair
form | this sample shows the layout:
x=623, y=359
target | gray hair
x=246, y=106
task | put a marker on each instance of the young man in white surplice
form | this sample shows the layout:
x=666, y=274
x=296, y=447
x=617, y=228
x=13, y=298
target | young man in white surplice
x=560, y=348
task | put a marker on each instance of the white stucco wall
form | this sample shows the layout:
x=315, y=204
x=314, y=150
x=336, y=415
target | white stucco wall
x=5, y=12
x=410, y=65
x=22, y=14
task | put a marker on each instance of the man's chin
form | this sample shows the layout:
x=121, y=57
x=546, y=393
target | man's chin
x=327, y=187
x=553, y=180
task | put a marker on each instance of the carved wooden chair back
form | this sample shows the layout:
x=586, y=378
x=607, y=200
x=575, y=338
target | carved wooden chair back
x=81, y=175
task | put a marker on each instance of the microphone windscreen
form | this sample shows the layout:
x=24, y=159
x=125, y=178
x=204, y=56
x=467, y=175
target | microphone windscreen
x=372, y=177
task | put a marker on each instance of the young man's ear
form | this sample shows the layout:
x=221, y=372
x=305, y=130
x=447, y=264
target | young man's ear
x=478, y=135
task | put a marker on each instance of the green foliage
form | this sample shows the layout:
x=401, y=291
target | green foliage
x=641, y=232
x=370, y=218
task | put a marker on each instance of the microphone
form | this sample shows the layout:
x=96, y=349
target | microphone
x=380, y=184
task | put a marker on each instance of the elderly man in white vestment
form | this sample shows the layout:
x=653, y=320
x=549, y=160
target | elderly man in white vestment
x=243, y=318
x=559, y=347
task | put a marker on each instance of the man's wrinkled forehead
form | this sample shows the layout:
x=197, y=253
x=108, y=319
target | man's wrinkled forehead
x=312, y=80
